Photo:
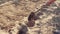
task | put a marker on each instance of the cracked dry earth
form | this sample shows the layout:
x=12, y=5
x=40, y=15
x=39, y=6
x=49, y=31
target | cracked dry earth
x=14, y=16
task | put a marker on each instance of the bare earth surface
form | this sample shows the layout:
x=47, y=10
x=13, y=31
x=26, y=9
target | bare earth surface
x=14, y=16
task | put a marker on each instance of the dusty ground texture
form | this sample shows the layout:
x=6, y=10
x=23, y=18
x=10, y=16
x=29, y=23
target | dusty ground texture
x=14, y=16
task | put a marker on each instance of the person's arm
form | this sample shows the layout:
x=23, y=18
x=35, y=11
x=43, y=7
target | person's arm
x=50, y=2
